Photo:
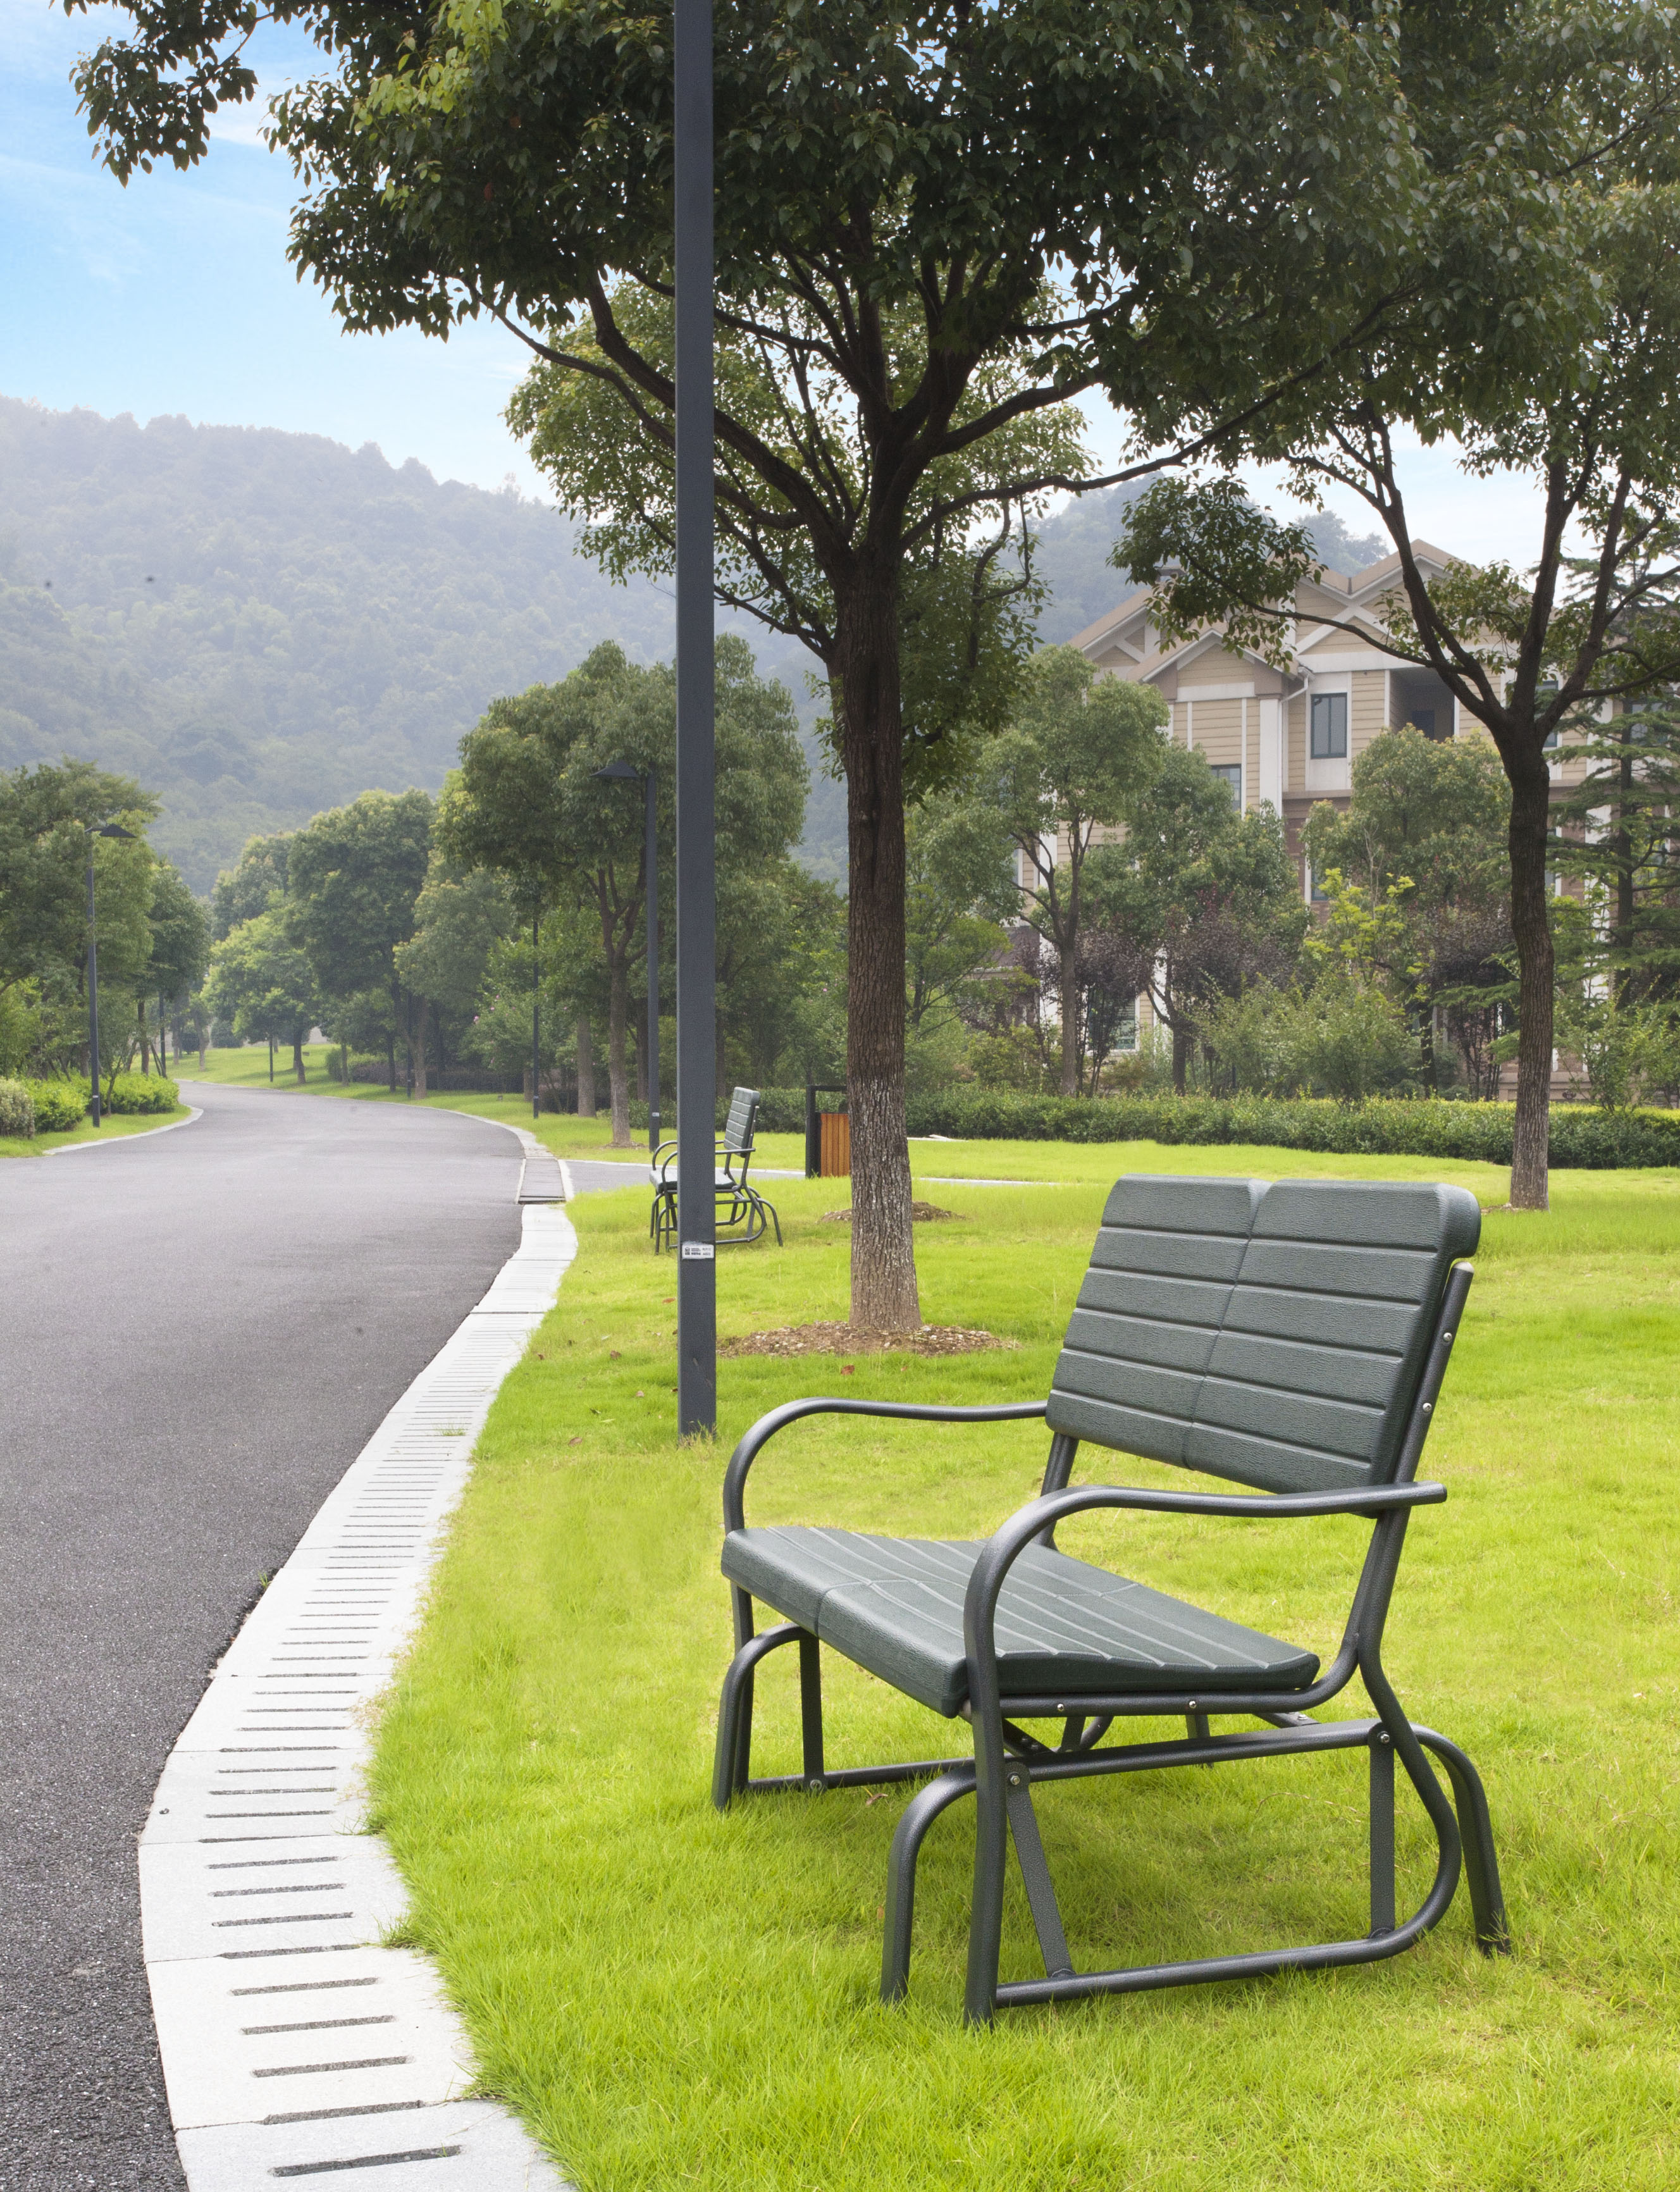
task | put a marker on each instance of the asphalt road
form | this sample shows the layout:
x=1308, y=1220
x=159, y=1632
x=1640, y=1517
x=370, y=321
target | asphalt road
x=199, y=1330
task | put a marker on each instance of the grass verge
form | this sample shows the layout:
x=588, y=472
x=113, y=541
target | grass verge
x=114, y=1126
x=670, y=1998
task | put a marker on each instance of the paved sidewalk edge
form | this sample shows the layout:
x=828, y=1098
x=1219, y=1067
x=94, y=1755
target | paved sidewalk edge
x=294, y=2042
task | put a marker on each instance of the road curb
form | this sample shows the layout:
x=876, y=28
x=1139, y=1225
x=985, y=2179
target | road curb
x=294, y=2044
x=121, y=1141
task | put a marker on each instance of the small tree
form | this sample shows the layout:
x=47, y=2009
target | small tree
x=1205, y=898
x=1080, y=756
x=354, y=875
x=533, y=805
x=1619, y=831
x=1423, y=845
x=960, y=893
x=262, y=981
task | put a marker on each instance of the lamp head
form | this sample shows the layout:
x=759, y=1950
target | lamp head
x=108, y=830
x=620, y=771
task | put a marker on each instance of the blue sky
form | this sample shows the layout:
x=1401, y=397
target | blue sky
x=174, y=295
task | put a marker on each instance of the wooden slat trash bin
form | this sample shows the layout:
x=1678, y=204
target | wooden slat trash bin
x=828, y=1134
x=1291, y=1339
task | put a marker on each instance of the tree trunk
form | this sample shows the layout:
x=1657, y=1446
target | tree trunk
x=1070, y=1024
x=1180, y=1058
x=298, y=1054
x=1621, y=846
x=1530, y=813
x=618, y=1016
x=585, y=1069
x=390, y=1061
x=884, y=1294
x=420, y=1050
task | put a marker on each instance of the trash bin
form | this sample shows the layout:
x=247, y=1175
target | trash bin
x=828, y=1134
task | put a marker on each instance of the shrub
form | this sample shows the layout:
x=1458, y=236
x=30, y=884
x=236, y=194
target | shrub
x=59, y=1105
x=139, y=1092
x=1582, y=1139
x=17, y=1110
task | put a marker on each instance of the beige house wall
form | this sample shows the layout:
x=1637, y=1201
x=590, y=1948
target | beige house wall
x=1218, y=730
x=1215, y=667
x=1295, y=766
x=1367, y=709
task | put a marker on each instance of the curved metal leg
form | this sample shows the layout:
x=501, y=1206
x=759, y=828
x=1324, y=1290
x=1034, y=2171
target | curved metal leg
x=1475, y=1826
x=920, y=1814
x=730, y=1762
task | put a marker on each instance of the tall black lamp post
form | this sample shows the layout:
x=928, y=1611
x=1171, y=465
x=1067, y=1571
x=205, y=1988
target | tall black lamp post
x=96, y=829
x=624, y=772
x=696, y=851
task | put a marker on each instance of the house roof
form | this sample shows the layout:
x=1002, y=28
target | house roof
x=1126, y=625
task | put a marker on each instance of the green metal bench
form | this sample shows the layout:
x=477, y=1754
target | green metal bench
x=1290, y=1338
x=742, y=1214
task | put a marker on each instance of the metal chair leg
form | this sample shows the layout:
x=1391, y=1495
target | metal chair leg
x=919, y=1815
x=1475, y=1825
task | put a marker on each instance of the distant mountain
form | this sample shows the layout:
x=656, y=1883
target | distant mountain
x=258, y=624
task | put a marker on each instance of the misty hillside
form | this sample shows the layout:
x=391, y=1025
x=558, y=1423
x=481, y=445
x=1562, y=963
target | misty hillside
x=257, y=624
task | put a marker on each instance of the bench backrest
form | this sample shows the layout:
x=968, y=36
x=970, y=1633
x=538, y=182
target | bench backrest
x=1271, y=1334
x=738, y=1131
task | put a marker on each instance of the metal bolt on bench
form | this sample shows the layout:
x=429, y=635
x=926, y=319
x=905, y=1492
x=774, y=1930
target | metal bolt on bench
x=1290, y=1338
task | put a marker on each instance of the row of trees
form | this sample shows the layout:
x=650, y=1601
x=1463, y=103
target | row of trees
x=408, y=925
x=152, y=935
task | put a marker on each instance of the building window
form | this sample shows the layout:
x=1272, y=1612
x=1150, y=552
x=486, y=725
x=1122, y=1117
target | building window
x=1125, y=1034
x=1232, y=773
x=1330, y=726
x=1316, y=891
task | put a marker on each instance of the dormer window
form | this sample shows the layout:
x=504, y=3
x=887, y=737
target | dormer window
x=1330, y=726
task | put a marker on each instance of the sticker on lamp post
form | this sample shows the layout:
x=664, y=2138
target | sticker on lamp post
x=701, y=1252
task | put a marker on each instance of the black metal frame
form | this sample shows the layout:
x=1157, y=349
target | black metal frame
x=1008, y=1759
x=747, y=1209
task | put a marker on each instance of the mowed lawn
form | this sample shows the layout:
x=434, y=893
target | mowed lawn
x=673, y=1998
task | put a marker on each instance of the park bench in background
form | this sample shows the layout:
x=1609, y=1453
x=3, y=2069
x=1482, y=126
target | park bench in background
x=742, y=1216
x=1290, y=1338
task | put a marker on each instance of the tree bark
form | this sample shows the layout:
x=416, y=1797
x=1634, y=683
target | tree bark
x=298, y=1054
x=1622, y=853
x=884, y=1294
x=585, y=1069
x=618, y=1008
x=1530, y=813
x=1180, y=1058
x=391, y=1061
x=420, y=1048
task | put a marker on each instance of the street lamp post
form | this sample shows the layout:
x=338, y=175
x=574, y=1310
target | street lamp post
x=96, y=829
x=624, y=772
x=696, y=850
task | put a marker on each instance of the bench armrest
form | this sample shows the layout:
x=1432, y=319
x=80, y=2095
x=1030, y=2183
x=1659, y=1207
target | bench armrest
x=747, y=1452
x=1040, y=1516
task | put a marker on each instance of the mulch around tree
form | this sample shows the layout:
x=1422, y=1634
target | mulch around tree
x=847, y=1339
x=921, y=1214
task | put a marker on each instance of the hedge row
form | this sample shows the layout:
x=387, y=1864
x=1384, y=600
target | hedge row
x=140, y=1092
x=17, y=1111
x=1582, y=1139
x=58, y=1105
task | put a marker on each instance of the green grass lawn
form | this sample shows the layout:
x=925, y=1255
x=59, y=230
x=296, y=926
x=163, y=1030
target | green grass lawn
x=672, y=1998
x=114, y=1127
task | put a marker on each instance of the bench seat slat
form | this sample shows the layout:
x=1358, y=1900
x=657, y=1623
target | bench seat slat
x=894, y=1606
